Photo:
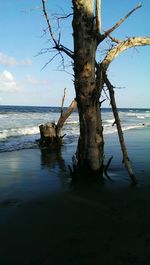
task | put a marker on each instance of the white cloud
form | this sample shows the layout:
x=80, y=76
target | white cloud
x=11, y=61
x=6, y=60
x=8, y=82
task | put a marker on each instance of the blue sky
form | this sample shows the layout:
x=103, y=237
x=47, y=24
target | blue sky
x=23, y=83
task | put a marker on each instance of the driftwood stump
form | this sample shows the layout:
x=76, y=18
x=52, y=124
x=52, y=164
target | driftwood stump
x=48, y=134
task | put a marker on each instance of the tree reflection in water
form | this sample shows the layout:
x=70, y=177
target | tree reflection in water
x=51, y=158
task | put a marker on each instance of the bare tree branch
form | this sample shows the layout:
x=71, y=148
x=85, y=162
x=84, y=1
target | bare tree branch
x=122, y=46
x=48, y=23
x=107, y=32
x=56, y=42
x=66, y=51
x=44, y=51
x=114, y=39
x=98, y=15
x=101, y=37
x=64, y=116
x=126, y=159
x=50, y=60
x=63, y=17
x=63, y=100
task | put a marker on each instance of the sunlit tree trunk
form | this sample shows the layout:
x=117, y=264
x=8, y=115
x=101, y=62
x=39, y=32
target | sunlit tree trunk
x=89, y=78
x=90, y=146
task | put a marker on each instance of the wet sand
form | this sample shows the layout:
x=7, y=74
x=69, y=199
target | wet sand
x=55, y=223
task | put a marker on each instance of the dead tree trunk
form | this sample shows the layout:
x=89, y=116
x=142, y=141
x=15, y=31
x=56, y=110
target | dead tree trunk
x=50, y=132
x=88, y=81
x=90, y=145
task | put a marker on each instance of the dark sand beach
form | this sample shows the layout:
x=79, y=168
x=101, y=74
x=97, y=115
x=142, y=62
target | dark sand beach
x=44, y=220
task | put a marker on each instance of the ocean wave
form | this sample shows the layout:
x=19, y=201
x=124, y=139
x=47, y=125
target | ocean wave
x=19, y=132
x=141, y=117
x=110, y=130
x=28, y=140
x=3, y=116
x=72, y=122
x=131, y=127
x=19, y=125
x=131, y=114
x=109, y=121
x=14, y=144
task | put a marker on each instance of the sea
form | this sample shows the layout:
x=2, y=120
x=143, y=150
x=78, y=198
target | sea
x=29, y=175
x=19, y=125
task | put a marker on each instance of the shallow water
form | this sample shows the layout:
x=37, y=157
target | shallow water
x=19, y=126
x=26, y=172
x=32, y=173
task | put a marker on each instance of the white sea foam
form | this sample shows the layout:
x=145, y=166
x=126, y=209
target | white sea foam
x=2, y=116
x=19, y=125
x=72, y=122
x=109, y=130
x=109, y=121
x=18, y=132
x=113, y=129
x=131, y=114
x=126, y=128
x=140, y=117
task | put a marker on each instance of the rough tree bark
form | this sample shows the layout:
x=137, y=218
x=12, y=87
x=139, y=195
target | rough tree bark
x=90, y=146
x=89, y=76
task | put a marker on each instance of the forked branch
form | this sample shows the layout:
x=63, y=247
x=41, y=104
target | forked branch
x=57, y=45
x=48, y=22
x=109, y=31
x=122, y=46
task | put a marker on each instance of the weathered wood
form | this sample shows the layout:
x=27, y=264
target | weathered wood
x=98, y=15
x=63, y=100
x=47, y=133
x=126, y=159
x=87, y=80
x=90, y=145
x=50, y=132
x=122, y=46
x=107, y=32
x=64, y=116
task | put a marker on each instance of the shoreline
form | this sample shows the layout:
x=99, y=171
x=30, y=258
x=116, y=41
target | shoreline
x=33, y=171
x=45, y=221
